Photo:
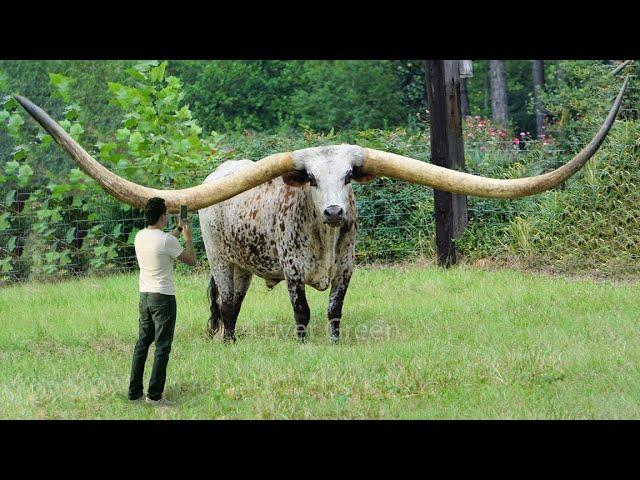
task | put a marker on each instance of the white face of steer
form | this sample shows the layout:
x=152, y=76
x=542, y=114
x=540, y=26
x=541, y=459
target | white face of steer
x=327, y=173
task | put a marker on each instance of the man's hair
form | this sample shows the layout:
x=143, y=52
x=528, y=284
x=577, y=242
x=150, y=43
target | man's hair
x=154, y=208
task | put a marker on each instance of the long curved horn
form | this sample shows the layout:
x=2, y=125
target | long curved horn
x=376, y=162
x=136, y=195
x=381, y=163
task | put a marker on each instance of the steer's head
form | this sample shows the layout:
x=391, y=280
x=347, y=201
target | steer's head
x=327, y=173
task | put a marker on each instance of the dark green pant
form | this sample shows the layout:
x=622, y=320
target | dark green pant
x=157, y=323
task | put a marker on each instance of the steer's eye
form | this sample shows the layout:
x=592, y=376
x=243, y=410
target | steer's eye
x=312, y=180
x=348, y=178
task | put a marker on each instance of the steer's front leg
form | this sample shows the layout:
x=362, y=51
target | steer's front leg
x=300, y=306
x=339, y=285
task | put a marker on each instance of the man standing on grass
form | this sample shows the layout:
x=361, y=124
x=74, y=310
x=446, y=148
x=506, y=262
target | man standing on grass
x=156, y=251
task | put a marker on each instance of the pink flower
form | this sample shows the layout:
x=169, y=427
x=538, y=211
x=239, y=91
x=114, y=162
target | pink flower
x=522, y=134
x=516, y=141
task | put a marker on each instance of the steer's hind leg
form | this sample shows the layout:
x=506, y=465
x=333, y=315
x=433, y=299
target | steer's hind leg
x=223, y=274
x=241, y=282
x=301, y=310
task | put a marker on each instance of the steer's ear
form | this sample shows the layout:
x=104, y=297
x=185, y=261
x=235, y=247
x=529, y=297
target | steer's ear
x=297, y=178
x=361, y=177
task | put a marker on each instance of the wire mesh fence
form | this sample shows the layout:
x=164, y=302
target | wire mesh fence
x=395, y=218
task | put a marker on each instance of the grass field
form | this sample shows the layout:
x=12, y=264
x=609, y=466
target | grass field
x=417, y=343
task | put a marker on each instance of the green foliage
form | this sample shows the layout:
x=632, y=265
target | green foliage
x=579, y=101
x=519, y=86
x=68, y=226
x=593, y=223
x=4, y=82
x=32, y=80
x=412, y=81
x=349, y=95
x=157, y=130
x=240, y=94
x=590, y=224
x=62, y=85
x=320, y=95
x=519, y=75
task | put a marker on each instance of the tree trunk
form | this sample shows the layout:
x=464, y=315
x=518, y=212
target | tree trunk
x=538, y=85
x=499, y=101
x=464, y=99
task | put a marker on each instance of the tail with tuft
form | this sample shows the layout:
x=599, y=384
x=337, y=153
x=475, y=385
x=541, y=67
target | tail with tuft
x=215, y=318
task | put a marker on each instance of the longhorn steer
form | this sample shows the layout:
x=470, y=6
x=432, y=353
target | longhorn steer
x=301, y=227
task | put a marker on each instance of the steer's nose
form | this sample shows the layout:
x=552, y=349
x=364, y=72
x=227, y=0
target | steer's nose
x=333, y=215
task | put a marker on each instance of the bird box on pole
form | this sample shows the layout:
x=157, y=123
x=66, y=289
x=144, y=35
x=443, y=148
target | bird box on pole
x=466, y=68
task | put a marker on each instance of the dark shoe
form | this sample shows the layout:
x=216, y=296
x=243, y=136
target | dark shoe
x=161, y=402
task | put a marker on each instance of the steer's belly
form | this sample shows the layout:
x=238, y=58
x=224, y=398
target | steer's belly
x=262, y=265
x=320, y=286
x=318, y=279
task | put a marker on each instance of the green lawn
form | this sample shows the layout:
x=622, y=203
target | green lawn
x=417, y=343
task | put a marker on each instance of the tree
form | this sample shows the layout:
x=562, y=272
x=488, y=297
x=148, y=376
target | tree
x=538, y=85
x=499, y=101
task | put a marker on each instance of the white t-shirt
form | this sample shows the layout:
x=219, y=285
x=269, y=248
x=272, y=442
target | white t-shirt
x=155, y=251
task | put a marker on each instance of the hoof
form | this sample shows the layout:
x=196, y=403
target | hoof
x=301, y=332
x=210, y=332
x=334, y=330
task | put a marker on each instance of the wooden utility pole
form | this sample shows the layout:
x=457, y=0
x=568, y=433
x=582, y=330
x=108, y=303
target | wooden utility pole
x=447, y=150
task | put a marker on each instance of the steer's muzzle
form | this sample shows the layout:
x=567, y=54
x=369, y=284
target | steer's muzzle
x=333, y=215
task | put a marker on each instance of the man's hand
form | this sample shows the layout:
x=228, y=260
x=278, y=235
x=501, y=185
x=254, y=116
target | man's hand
x=186, y=230
x=175, y=232
x=189, y=254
